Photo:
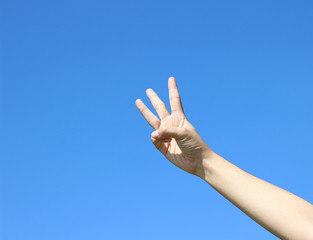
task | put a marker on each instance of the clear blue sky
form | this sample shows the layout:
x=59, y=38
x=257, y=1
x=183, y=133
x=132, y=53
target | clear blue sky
x=76, y=160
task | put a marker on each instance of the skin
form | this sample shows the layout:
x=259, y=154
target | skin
x=282, y=213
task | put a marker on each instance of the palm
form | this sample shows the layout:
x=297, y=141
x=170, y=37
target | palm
x=184, y=149
x=171, y=150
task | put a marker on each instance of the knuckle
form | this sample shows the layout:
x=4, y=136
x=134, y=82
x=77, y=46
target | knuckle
x=163, y=131
x=143, y=110
x=174, y=98
x=159, y=105
x=159, y=147
x=151, y=119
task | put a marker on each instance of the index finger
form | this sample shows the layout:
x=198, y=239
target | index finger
x=175, y=100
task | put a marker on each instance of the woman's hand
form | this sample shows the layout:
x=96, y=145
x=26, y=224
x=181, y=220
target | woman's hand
x=175, y=137
x=279, y=211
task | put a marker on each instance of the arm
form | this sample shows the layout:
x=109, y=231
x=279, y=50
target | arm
x=280, y=212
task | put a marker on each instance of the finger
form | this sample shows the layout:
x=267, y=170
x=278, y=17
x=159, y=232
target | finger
x=161, y=146
x=173, y=132
x=175, y=100
x=165, y=140
x=148, y=115
x=158, y=105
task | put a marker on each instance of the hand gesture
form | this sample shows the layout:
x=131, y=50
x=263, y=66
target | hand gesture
x=175, y=137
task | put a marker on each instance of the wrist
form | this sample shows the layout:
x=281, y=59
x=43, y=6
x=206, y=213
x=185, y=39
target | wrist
x=208, y=162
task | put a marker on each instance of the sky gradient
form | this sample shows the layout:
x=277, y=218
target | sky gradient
x=76, y=160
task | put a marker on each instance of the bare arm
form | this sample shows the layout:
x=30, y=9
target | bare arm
x=282, y=213
x=279, y=211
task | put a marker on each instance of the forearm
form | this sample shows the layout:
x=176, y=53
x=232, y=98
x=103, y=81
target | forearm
x=279, y=211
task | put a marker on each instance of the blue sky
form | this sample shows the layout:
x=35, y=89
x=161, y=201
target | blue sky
x=76, y=160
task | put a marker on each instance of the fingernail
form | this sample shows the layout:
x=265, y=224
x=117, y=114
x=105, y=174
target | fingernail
x=155, y=134
x=149, y=92
x=172, y=82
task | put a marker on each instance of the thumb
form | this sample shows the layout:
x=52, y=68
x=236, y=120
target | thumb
x=172, y=132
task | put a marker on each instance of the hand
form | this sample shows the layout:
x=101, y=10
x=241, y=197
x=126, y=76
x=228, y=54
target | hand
x=175, y=137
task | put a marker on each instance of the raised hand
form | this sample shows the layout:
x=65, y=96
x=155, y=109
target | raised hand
x=279, y=211
x=175, y=137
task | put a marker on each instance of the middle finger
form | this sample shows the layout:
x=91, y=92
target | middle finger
x=157, y=103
